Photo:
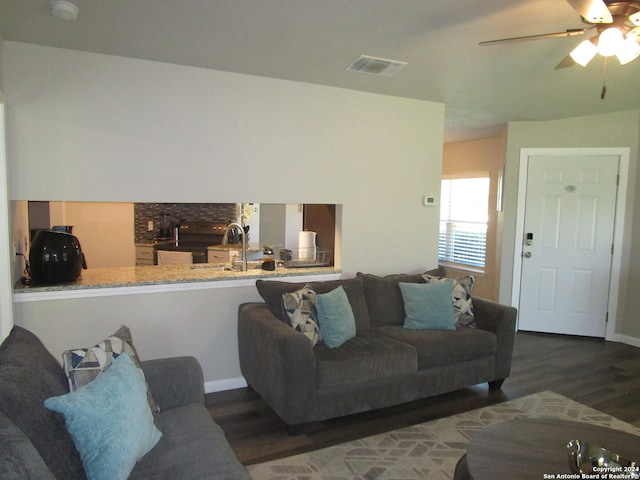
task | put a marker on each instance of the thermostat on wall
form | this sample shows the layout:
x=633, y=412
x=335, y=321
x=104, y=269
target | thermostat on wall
x=429, y=200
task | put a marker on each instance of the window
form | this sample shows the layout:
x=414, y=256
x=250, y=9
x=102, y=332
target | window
x=464, y=213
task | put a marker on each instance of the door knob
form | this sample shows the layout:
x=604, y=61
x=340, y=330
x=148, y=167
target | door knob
x=526, y=254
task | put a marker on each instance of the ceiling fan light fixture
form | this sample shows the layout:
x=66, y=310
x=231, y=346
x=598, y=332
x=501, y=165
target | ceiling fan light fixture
x=610, y=42
x=594, y=11
x=629, y=50
x=635, y=34
x=584, y=53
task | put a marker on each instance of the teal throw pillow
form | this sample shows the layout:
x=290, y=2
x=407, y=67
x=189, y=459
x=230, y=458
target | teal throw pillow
x=109, y=420
x=428, y=306
x=337, y=322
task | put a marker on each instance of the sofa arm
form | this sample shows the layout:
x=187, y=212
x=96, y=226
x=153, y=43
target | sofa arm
x=501, y=320
x=174, y=381
x=277, y=362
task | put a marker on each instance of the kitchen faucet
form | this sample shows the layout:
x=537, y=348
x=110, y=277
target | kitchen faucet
x=244, y=242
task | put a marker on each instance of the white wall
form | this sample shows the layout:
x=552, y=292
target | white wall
x=6, y=250
x=6, y=262
x=621, y=129
x=93, y=127
x=201, y=323
x=88, y=127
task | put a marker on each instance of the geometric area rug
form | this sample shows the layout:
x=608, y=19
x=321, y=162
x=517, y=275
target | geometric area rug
x=426, y=451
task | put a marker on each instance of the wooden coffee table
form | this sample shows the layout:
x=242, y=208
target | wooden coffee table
x=532, y=448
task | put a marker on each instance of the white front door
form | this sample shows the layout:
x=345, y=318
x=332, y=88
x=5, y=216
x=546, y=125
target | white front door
x=567, y=243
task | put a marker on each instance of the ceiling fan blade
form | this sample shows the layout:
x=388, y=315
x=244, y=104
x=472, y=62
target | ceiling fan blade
x=567, y=33
x=565, y=63
x=594, y=11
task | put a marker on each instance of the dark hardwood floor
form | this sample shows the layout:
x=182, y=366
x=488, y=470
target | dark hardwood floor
x=602, y=375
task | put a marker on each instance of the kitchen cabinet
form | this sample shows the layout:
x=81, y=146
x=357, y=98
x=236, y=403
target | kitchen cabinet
x=144, y=254
x=221, y=255
x=231, y=252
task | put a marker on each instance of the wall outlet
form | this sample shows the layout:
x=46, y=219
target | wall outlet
x=150, y=226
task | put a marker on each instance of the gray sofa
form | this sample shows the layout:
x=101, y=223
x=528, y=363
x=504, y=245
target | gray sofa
x=384, y=365
x=34, y=443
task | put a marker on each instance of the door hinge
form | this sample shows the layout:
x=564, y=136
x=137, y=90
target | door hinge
x=612, y=246
x=606, y=318
x=617, y=180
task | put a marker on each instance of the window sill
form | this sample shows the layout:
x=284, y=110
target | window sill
x=477, y=271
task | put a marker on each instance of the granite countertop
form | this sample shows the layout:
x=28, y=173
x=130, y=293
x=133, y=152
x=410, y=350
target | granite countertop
x=95, y=278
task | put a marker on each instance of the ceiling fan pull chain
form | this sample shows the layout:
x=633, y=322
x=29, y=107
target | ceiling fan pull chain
x=603, y=93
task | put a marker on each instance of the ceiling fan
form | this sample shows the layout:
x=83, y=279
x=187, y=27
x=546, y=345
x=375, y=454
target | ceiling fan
x=616, y=25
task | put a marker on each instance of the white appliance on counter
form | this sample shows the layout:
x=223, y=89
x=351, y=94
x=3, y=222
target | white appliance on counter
x=307, y=244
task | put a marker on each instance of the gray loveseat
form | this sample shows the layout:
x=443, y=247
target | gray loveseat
x=383, y=365
x=34, y=443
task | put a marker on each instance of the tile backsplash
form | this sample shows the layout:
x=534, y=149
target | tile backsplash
x=178, y=212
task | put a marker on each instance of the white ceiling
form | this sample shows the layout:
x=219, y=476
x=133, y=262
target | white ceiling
x=315, y=40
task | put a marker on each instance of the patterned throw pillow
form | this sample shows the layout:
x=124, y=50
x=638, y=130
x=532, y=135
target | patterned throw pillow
x=84, y=365
x=461, y=297
x=303, y=313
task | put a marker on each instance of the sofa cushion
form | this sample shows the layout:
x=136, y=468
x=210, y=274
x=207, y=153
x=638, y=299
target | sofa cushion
x=460, y=296
x=428, y=306
x=369, y=356
x=19, y=459
x=383, y=296
x=337, y=324
x=300, y=307
x=436, y=348
x=83, y=365
x=29, y=375
x=272, y=290
x=109, y=420
x=192, y=447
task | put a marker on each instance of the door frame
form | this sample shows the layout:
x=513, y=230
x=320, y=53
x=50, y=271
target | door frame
x=624, y=154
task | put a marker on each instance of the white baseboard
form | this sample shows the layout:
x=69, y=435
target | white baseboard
x=633, y=341
x=226, y=384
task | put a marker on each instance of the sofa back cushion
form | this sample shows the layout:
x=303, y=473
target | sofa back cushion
x=29, y=375
x=384, y=298
x=271, y=291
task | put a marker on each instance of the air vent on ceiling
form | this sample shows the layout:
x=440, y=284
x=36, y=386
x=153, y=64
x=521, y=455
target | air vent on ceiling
x=375, y=66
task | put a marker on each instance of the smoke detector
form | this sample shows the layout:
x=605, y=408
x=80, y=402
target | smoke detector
x=63, y=10
x=375, y=66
